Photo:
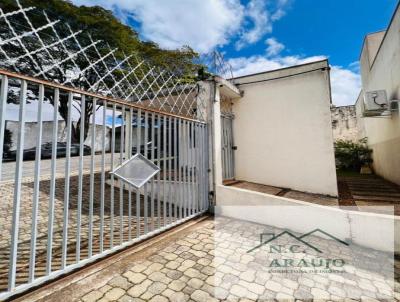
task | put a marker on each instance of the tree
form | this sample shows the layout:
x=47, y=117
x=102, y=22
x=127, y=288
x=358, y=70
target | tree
x=102, y=25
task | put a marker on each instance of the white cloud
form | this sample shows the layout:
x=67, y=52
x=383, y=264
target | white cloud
x=261, y=19
x=201, y=24
x=274, y=47
x=345, y=83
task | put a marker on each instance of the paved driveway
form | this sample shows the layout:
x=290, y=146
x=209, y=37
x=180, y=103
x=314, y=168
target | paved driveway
x=211, y=262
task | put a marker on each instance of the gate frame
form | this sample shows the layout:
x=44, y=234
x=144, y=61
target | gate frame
x=190, y=212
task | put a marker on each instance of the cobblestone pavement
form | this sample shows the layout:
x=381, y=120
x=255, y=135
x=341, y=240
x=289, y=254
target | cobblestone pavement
x=212, y=263
x=119, y=222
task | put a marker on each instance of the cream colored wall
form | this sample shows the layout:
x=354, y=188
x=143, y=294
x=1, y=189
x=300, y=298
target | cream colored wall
x=383, y=73
x=283, y=132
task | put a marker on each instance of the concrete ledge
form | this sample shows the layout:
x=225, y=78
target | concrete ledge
x=377, y=231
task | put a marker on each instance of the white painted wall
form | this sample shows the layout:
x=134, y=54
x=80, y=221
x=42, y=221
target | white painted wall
x=283, y=131
x=31, y=133
x=371, y=230
x=380, y=69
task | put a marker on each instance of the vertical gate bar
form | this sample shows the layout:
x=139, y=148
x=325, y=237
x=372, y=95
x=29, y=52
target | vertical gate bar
x=184, y=168
x=112, y=178
x=138, y=144
x=180, y=185
x=180, y=165
x=193, y=161
x=145, y=201
x=189, y=195
x=17, y=189
x=130, y=146
x=35, y=200
x=152, y=180
x=91, y=188
x=103, y=175
x=80, y=185
x=189, y=167
x=206, y=165
x=67, y=183
x=203, y=175
x=49, y=253
x=198, y=165
x=176, y=185
x=201, y=167
x=158, y=174
x=3, y=105
x=169, y=170
x=164, y=171
x=203, y=150
x=121, y=184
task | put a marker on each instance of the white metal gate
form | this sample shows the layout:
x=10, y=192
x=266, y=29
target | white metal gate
x=228, y=147
x=70, y=113
x=65, y=210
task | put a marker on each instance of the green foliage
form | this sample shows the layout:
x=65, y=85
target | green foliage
x=352, y=156
x=7, y=141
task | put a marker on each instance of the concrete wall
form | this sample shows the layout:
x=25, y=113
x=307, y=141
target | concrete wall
x=371, y=230
x=380, y=69
x=344, y=123
x=283, y=131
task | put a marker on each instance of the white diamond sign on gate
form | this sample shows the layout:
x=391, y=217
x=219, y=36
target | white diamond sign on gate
x=136, y=171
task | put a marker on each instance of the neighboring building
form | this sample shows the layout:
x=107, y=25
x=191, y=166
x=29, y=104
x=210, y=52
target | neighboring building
x=31, y=127
x=344, y=123
x=380, y=70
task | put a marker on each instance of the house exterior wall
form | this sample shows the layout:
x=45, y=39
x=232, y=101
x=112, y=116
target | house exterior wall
x=380, y=69
x=31, y=132
x=283, y=132
x=344, y=123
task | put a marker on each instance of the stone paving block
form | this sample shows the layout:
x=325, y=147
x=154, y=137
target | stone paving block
x=156, y=288
x=114, y=294
x=174, y=274
x=272, y=285
x=178, y=297
x=177, y=285
x=200, y=296
x=320, y=294
x=135, y=278
x=172, y=264
x=121, y=282
x=160, y=277
x=92, y=296
x=138, y=290
x=158, y=298
x=195, y=283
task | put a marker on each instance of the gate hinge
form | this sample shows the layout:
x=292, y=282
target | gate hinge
x=234, y=147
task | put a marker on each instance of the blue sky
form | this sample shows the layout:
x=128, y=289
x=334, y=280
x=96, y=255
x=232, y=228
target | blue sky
x=260, y=35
